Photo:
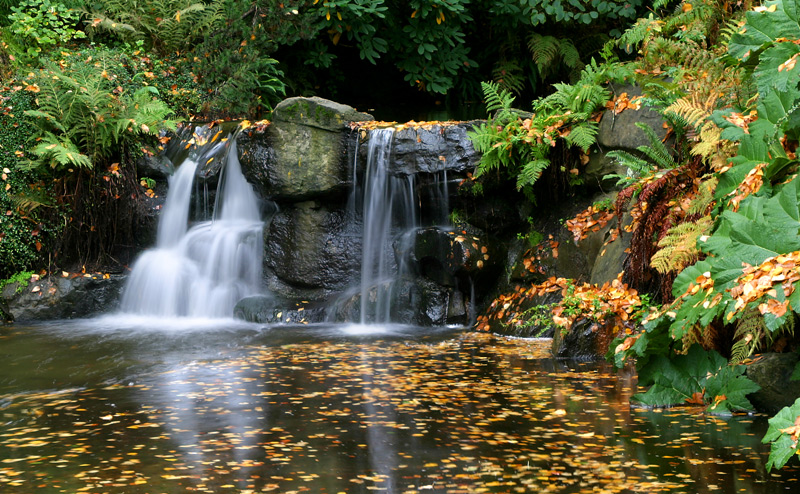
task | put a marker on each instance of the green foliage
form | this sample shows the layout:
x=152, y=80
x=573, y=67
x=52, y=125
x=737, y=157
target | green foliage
x=548, y=52
x=167, y=25
x=43, y=24
x=783, y=433
x=660, y=158
x=538, y=12
x=521, y=147
x=82, y=121
x=24, y=233
x=22, y=279
x=538, y=318
x=698, y=377
x=233, y=64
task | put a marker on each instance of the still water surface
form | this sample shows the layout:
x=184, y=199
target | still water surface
x=130, y=407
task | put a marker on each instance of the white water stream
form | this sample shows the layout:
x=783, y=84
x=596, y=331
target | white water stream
x=202, y=270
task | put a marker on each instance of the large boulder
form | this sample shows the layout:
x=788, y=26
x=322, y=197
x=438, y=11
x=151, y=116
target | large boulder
x=416, y=301
x=457, y=257
x=56, y=297
x=431, y=148
x=300, y=155
x=311, y=251
x=586, y=340
x=773, y=371
x=619, y=131
x=266, y=309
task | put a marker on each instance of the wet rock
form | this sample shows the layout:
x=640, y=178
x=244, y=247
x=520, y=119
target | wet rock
x=300, y=156
x=63, y=298
x=311, y=248
x=773, y=373
x=432, y=148
x=620, y=131
x=265, y=309
x=415, y=301
x=600, y=166
x=457, y=257
x=585, y=341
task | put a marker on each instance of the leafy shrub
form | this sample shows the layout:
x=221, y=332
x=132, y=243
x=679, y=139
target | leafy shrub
x=42, y=23
x=82, y=118
x=24, y=233
x=783, y=434
x=522, y=147
x=699, y=378
x=166, y=25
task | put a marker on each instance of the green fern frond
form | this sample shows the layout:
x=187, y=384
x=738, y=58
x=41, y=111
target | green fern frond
x=531, y=172
x=583, y=135
x=678, y=248
x=637, y=166
x=545, y=51
x=570, y=56
x=656, y=151
x=704, y=197
x=60, y=152
x=638, y=33
x=751, y=331
x=508, y=75
x=497, y=99
x=29, y=202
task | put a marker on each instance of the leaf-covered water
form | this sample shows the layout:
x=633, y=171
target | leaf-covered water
x=338, y=409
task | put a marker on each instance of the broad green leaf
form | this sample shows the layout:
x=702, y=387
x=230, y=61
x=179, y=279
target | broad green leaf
x=764, y=27
x=783, y=446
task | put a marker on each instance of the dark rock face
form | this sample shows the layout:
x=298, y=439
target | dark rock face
x=63, y=298
x=300, y=155
x=773, y=372
x=432, y=148
x=265, y=309
x=313, y=248
x=419, y=301
x=620, y=131
x=583, y=342
x=456, y=258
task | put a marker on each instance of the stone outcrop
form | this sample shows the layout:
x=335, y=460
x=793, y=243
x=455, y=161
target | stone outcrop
x=433, y=148
x=69, y=297
x=773, y=372
x=300, y=155
x=310, y=248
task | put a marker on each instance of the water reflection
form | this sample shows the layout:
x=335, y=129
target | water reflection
x=337, y=409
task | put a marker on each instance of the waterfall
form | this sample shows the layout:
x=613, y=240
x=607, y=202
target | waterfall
x=202, y=270
x=388, y=207
x=394, y=205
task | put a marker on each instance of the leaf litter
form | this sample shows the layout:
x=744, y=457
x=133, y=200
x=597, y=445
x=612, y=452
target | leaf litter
x=477, y=413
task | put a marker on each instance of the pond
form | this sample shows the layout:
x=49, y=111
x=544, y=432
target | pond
x=122, y=406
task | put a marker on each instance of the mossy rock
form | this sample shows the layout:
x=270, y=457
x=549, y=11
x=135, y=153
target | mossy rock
x=317, y=112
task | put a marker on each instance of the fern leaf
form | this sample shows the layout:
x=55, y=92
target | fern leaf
x=634, y=163
x=570, y=56
x=545, y=52
x=60, y=152
x=751, y=331
x=678, y=248
x=531, y=172
x=583, y=135
x=656, y=151
x=497, y=99
x=508, y=75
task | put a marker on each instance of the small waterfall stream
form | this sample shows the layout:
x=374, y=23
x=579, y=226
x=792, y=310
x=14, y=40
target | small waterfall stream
x=202, y=270
x=388, y=206
x=393, y=210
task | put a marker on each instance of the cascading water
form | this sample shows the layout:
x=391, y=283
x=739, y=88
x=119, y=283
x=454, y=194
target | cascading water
x=204, y=270
x=388, y=206
x=391, y=213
